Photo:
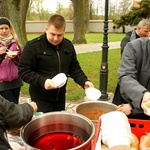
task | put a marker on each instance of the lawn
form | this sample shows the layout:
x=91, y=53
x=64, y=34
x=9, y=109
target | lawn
x=90, y=63
x=90, y=37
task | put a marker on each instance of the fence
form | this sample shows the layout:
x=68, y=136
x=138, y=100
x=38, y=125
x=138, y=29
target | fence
x=94, y=26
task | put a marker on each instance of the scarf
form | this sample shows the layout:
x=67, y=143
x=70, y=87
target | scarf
x=5, y=40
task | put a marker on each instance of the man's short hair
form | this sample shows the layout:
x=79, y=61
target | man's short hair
x=57, y=21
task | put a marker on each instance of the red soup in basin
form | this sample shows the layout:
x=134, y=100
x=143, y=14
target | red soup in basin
x=57, y=141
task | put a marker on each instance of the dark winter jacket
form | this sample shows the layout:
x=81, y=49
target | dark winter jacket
x=12, y=116
x=41, y=60
x=131, y=35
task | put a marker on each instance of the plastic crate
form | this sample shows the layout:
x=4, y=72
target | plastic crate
x=138, y=127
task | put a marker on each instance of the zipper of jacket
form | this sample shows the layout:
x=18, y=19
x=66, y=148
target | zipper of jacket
x=57, y=51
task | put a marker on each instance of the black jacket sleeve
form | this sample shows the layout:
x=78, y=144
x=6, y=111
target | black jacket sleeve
x=125, y=40
x=14, y=115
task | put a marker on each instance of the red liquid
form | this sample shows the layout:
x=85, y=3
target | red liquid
x=57, y=141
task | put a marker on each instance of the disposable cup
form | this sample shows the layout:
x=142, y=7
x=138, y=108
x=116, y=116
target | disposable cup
x=122, y=143
x=116, y=130
x=92, y=93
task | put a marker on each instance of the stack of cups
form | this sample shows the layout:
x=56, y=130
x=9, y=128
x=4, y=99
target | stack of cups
x=116, y=131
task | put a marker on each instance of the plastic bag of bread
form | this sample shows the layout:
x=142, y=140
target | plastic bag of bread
x=145, y=142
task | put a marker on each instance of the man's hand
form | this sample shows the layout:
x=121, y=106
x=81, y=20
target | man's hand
x=88, y=84
x=146, y=97
x=125, y=108
x=49, y=84
x=34, y=106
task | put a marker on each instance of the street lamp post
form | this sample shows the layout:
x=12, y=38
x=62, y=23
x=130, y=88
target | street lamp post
x=104, y=64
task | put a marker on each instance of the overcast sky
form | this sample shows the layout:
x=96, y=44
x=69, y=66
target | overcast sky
x=51, y=4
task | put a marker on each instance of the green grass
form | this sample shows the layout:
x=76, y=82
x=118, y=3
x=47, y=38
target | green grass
x=90, y=37
x=91, y=63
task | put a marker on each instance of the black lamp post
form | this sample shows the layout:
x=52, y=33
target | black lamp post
x=104, y=64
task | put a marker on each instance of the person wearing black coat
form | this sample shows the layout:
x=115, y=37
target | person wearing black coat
x=43, y=58
x=141, y=31
x=13, y=116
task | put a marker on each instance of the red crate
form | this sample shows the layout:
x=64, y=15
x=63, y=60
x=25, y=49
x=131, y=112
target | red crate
x=138, y=127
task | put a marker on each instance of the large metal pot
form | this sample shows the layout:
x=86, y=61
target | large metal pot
x=56, y=122
x=88, y=107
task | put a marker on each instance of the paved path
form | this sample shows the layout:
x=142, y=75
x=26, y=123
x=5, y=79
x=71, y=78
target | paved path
x=70, y=105
x=84, y=48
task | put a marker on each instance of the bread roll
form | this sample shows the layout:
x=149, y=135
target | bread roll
x=135, y=143
x=133, y=148
x=145, y=140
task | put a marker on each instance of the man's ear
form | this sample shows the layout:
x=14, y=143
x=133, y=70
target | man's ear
x=148, y=34
x=46, y=28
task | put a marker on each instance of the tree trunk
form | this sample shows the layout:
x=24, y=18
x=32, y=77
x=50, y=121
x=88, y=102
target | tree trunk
x=17, y=10
x=87, y=15
x=3, y=10
x=79, y=21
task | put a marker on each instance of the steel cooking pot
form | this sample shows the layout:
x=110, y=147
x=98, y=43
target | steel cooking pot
x=92, y=109
x=58, y=122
